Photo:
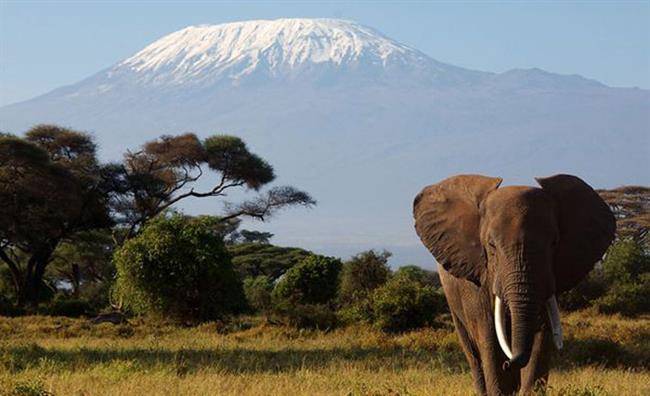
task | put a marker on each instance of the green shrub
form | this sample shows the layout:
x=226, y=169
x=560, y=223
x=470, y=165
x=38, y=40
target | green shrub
x=620, y=284
x=626, y=270
x=628, y=298
x=313, y=281
x=402, y=304
x=304, y=296
x=258, y=292
x=178, y=267
x=359, y=311
x=361, y=275
x=625, y=261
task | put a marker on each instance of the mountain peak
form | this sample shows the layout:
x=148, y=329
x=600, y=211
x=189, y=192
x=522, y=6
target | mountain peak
x=281, y=48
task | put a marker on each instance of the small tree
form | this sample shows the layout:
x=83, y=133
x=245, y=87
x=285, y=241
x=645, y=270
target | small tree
x=178, y=267
x=313, y=281
x=248, y=236
x=305, y=294
x=362, y=274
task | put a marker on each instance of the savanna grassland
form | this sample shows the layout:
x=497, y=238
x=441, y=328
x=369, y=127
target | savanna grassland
x=42, y=355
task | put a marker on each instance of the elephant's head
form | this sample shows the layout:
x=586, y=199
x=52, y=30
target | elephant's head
x=525, y=244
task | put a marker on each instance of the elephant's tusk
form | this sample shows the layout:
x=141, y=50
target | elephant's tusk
x=554, y=318
x=499, y=324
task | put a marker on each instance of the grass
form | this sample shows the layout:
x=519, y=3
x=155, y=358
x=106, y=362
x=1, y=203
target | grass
x=61, y=356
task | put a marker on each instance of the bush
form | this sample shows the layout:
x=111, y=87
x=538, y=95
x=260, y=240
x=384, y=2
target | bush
x=625, y=261
x=361, y=275
x=178, y=267
x=313, y=281
x=304, y=295
x=258, y=292
x=402, y=304
x=628, y=298
x=626, y=270
x=620, y=284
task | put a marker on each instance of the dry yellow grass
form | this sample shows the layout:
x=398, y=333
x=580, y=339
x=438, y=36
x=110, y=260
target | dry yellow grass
x=605, y=355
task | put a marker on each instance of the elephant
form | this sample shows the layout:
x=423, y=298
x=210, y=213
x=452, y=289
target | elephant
x=504, y=254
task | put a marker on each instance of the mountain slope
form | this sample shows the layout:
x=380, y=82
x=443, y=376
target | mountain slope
x=358, y=119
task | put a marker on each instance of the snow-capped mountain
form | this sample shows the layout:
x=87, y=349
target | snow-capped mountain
x=361, y=121
x=279, y=50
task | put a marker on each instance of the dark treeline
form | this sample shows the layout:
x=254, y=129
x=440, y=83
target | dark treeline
x=82, y=237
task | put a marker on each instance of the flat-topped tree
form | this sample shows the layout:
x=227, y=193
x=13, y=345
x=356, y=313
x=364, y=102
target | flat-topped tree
x=166, y=170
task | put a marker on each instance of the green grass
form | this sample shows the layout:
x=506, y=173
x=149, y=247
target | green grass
x=61, y=356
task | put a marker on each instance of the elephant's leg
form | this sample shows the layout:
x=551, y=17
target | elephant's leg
x=472, y=355
x=535, y=375
x=497, y=381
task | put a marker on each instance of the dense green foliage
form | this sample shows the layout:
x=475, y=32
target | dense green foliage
x=620, y=284
x=255, y=259
x=62, y=190
x=361, y=275
x=305, y=294
x=178, y=267
x=312, y=281
x=258, y=292
x=402, y=304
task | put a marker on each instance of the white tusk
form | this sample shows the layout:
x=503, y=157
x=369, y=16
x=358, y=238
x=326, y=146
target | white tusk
x=554, y=318
x=499, y=323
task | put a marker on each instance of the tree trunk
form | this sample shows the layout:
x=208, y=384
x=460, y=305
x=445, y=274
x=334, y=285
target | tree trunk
x=76, y=280
x=29, y=291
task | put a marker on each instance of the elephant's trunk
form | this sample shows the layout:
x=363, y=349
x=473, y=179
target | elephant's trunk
x=524, y=316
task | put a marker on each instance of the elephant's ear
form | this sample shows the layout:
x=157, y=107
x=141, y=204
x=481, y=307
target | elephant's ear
x=587, y=227
x=447, y=220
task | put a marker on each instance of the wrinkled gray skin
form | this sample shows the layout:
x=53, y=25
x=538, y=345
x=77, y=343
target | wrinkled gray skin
x=523, y=244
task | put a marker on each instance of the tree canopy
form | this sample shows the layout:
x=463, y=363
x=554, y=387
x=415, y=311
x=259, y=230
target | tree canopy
x=166, y=170
x=51, y=187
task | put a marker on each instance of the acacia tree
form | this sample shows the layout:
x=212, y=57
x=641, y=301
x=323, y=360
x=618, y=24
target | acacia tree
x=51, y=187
x=172, y=168
x=631, y=206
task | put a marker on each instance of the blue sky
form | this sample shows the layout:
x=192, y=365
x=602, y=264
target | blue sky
x=44, y=45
